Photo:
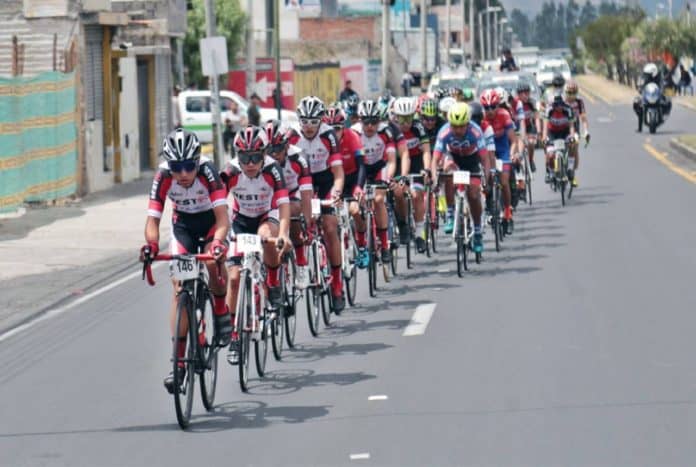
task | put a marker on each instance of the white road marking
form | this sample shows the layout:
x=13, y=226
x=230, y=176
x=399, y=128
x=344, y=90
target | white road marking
x=437, y=289
x=420, y=319
x=442, y=271
x=360, y=456
x=605, y=119
x=378, y=397
x=67, y=307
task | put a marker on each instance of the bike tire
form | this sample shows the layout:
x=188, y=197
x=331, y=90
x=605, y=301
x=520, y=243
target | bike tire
x=312, y=293
x=183, y=396
x=372, y=267
x=427, y=223
x=292, y=295
x=461, y=256
x=208, y=350
x=244, y=313
x=326, y=305
x=261, y=344
x=495, y=218
x=563, y=194
x=277, y=326
x=350, y=276
x=528, y=182
x=394, y=244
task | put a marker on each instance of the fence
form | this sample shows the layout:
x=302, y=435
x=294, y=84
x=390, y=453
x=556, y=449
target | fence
x=38, y=139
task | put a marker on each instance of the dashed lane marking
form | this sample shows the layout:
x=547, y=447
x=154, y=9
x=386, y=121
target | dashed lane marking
x=360, y=456
x=420, y=319
x=378, y=397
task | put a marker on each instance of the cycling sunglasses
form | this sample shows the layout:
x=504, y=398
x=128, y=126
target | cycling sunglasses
x=310, y=121
x=429, y=119
x=404, y=119
x=338, y=127
x=370, y=121
x=183, y=166
x=488, y=108
x=246, y=158
x=277, y=148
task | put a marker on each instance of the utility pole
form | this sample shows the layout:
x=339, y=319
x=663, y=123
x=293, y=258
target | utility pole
x=385, y=43
x=251, y=51
x=495, y=35
x=424, y=42
x=448, y=31
x=276, y=26
x=211, y=31
x=489, y=31
x=482, y=52
x=472, y=29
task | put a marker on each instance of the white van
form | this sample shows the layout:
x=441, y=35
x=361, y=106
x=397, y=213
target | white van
x=194, y=109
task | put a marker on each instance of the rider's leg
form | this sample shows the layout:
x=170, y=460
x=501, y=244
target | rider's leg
x=333, y=249
x=507, y=194
x=419, y=211
x=360, y=226
x=381, y=219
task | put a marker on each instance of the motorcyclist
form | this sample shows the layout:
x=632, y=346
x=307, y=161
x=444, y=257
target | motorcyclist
x=651, y=74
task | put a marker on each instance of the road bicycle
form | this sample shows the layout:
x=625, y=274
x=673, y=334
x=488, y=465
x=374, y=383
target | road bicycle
x=463, y=225
x=562, y=173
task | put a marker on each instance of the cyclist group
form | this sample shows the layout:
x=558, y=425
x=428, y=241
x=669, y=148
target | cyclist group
x=403, y=146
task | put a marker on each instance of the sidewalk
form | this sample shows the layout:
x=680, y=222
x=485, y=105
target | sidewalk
x=50, y=255
x=611, y=92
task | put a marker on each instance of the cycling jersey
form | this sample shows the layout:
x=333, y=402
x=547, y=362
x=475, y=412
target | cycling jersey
x=518, y=114
x=206, y=192
x=296, y=172
x=501, y=123
x=528, y=109
x=578, y=106
x=351, y=149
x=415, y=137
x=432, y=134
x=322, y=153
x=258, y=196
x=376, y=148
x=397, y=136
x=465, y=151
x=559, y=117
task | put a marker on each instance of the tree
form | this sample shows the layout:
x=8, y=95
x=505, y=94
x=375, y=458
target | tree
x=231, y=23
x=521, y=25
x=588, y=14
x=560, y=30
x=572, y=16
x=604, y=37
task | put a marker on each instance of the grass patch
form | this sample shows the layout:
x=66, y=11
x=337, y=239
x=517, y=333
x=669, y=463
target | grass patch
x=688, y=140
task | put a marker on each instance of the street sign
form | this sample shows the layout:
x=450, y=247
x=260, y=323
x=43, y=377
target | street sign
x=214, y=56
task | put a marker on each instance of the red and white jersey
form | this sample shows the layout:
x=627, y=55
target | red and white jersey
x=296, y=171
x=206, y=192
x=254, y=197
x=377, y=146
x=321, y=152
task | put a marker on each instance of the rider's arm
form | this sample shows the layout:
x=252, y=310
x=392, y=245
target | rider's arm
x=391, y=162
x=306, y=189
x=222, y=222
x=152, y=229
x=362, y=171
x=427, y=158
x=512, y=136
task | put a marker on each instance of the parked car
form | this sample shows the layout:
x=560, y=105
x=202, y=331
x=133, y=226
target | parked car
x=194, y=109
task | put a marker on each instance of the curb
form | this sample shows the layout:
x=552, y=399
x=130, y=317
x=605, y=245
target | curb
x=683, y=149
x=687, y=105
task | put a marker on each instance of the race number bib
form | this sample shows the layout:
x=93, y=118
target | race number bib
x=184, y=268
x=316, y=206
x=248, y=243
x=461, y=177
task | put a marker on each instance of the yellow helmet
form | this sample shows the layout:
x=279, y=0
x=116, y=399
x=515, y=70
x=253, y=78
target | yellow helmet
x=459, y=114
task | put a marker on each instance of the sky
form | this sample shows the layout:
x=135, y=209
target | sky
x=648, y=5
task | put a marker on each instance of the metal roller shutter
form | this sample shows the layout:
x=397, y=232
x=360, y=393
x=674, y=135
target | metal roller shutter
x=163, y=93
x=93, y=72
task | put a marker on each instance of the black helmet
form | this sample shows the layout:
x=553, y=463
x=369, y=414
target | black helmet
x=181, y=145
x=558, y=80
x=523, y=87
x=476, y=112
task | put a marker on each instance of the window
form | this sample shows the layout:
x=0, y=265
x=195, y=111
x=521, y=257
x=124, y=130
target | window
x=196, y=104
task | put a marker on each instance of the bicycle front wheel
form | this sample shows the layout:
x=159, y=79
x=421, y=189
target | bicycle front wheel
x=207, y=349
x=291, y=295
x=261, y=344
x=244, y=331
x=183, y=384
x=312, y=294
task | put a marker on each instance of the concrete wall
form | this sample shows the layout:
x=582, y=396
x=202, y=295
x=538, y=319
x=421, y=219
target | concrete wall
x=351, y=28
x=129, y=123
x=97, y=178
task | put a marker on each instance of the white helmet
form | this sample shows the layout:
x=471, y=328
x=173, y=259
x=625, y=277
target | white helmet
x=404, y=106
x=502, y=94
x=446, y=103
x=650, y=69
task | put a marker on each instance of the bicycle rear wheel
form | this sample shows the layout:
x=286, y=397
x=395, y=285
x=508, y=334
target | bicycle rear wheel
x=372, y=267
x=312, y=294
x=495, y=218
x=350, y=274
x=183, y=385
x=277, y=324
x=261, y=344
x=326, y=304
x=291, y=295
x=244, y=331
x=207, y=348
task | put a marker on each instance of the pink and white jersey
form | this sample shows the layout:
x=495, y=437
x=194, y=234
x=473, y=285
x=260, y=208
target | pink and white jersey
x=377, y=146
x=206, y=192
x=296, y=171
x=254, y=197
x=320, y=152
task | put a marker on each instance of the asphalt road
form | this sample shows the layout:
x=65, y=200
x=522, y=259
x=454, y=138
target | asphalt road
x=574, y=346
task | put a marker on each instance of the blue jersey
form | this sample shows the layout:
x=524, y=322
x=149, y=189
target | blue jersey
x=468, y=145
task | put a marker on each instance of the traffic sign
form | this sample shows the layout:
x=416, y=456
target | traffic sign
x=214, y=56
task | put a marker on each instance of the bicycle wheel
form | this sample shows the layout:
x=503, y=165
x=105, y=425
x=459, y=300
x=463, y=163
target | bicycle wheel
x=372, y=267
x=207, y=348
x=261, y=344
x=312, y=294
x=291, y=295
x=495, y=217
x=432, y=227
x=350, y=274
x=428, y=195
x=183, y=387
x=244, y=331
x=461, y=256
x=394, y=243
x=277, y=324
x=528, y=183
x=326, y=304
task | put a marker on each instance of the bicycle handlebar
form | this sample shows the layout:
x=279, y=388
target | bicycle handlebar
x=147, y=264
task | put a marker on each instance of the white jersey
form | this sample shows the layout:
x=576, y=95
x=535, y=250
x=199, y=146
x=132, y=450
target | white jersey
x=254, y=197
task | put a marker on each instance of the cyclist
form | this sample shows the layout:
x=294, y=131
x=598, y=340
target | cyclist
x=445, y=104
x=260, y=205
x=578, y=106
x=531, y=119
x=320, y=147
x=351, y=149
x=433, y=122
x=559, y=123
x=467, y=95
x=199, y=221
x=380, y=163
x=298, y=182
x=418, y=163
x=507, y=61
x=505, y=139
x=351, y=108
x=463, y=146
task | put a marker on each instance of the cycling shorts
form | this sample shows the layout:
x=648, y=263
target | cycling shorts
x=192, y=232
x=246, y=225
x=471, y=164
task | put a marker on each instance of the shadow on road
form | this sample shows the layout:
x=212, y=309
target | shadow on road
x=282, y=382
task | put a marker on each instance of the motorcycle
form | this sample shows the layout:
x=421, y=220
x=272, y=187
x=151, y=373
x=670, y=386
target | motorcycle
x=650, y=108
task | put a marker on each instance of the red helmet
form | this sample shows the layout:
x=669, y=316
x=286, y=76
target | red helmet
x=490, y=98
x=275, y=133
x=334, y=116
x=251, y=139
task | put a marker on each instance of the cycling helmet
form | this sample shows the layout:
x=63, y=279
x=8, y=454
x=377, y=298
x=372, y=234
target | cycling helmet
x=446, y=104
x=558, y=81
x=369, y=109
x=523, y=87
x=275, y=133
x=490, y=98
x=502, y=94
x=311, y=107
x=441, y=93
x=459, y=114
x=181, y=145
x=334, y=116
x=650, y=69
x=404, y=106
x=429, y=108
x=468, y=94
x=476, y=112
x=571, y=87
x=251, y=139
